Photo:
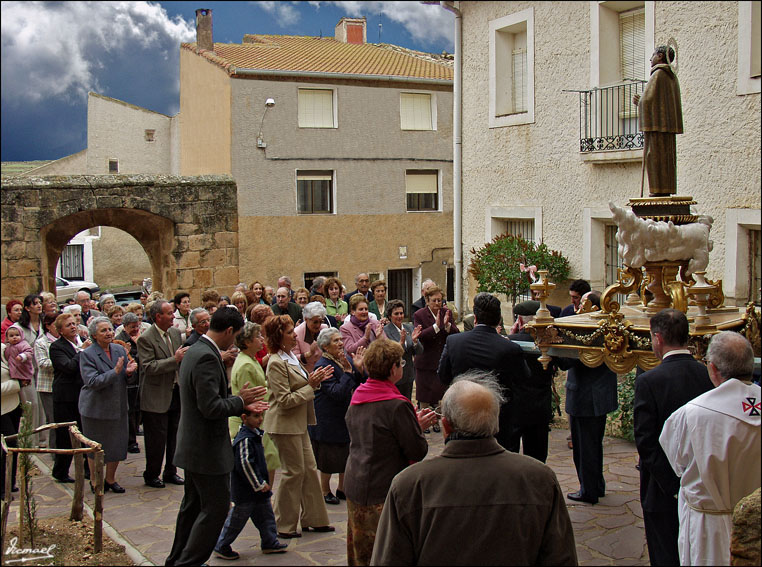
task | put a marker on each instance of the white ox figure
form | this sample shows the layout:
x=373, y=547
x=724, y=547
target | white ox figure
x=642, y=241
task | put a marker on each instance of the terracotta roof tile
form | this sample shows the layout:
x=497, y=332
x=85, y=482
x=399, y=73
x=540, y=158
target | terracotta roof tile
x=323, y=55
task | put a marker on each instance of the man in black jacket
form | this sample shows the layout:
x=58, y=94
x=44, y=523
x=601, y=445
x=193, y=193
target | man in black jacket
x=658, y=393
x=203, y=442
x=483, y=349
x=67, y=382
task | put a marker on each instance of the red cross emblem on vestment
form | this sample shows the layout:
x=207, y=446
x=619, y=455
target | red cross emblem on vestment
x=753, y=407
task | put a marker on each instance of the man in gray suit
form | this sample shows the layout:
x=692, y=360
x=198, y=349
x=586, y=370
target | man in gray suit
x=160, y=351
x=203, y=441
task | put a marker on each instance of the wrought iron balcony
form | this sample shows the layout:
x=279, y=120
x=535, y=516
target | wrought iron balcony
x=608, y=120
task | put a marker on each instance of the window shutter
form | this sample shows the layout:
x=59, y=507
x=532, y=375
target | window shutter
x=519, y=60
x=632, y=35
x=415, y=111
x=421, y=182
x=315, y=108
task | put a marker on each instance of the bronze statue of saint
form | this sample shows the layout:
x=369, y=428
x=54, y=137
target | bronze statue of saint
x=661, y=118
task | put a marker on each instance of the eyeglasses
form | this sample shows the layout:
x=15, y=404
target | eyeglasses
x=402, y=363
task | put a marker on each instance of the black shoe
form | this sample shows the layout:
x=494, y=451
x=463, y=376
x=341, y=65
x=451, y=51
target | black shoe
x=340, y=495
x=15, y=489
x=64, y=480
x=154, y=483
x=174, y=479
x=330, y=499
x=228, y=554
x=578, y=497
x=113, y=487
x=320, y=529
x=289, y=535
x=426, y=431
x=435, y=427
x=133, y=448
x=279, y=548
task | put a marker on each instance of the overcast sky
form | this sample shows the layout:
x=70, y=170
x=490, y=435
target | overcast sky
x=53, y=53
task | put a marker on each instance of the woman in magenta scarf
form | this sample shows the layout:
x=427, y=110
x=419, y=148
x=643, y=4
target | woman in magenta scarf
x=386, y=436
x=359, y=329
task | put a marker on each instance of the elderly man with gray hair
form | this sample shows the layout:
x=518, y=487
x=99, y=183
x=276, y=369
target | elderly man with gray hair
x=501, y=498
x=713, y=444
x=199, y=319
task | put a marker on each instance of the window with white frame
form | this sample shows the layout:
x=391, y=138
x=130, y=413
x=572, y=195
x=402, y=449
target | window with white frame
x=622, y=35
x=422, y=189
x=416, y=111
x=314, y=192
x=749, y=48
x=511, y=69
x=316, y=108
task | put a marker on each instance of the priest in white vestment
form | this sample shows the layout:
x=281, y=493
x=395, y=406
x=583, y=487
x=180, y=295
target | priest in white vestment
x=713, y=444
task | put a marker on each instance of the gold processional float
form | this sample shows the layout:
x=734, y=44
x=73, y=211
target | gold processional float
x=618, y=335
x=665, y=252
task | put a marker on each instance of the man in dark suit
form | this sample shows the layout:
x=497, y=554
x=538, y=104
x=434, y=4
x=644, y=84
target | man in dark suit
x=658, y=393
x=203, y=441
x=482, y=348
x=160, y=351
x=420, y=303
x=283, y=306
x=199, y=320
x=591, y=393
x=83, y=300
x=577, y=289
x=362, y=285
x=67, y=382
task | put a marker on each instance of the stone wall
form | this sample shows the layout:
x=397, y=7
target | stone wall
x=188, y=227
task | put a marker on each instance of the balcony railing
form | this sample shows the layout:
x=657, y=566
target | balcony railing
x=608, y=120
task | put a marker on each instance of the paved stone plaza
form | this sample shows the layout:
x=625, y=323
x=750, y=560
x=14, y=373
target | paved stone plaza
x=609, y=533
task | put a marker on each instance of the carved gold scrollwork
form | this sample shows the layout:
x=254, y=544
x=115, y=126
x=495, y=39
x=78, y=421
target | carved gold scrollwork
x=629, y=280
x=621, y=364
x=676, y=291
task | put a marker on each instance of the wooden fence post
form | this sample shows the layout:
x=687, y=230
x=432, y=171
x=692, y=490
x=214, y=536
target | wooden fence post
x=98, y=512
x=77, y=503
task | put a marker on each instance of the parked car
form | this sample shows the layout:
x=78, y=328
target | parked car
x=126, y=297
x=66, y=289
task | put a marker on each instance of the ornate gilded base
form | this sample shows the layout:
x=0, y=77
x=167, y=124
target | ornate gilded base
x=672, y=208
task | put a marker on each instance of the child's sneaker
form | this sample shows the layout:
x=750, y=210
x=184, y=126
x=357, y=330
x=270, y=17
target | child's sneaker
x=228, y=554
x=279, y=548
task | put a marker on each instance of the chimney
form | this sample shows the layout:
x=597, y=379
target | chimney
x=351, y=30
x=204, y=29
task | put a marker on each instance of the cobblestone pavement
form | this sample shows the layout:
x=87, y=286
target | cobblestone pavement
x=609, y=533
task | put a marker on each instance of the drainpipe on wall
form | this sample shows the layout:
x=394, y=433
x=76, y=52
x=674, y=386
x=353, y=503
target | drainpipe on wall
x=457, y=220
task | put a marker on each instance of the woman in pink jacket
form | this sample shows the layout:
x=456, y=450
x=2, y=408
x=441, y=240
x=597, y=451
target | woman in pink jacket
x=359, y=329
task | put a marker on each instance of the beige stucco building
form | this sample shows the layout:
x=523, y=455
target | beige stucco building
x=535, y=80
x=342, y=152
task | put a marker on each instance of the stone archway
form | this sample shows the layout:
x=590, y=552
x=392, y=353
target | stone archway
x=188, y=227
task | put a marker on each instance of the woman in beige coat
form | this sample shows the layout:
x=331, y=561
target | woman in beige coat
x=292, y=391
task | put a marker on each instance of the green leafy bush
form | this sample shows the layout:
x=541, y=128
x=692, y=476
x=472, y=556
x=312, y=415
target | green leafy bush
x=496, y=265
x=620, y=422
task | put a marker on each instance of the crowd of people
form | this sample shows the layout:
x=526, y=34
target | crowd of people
x=320, y=382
